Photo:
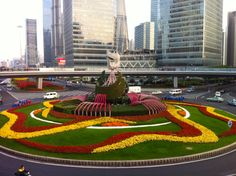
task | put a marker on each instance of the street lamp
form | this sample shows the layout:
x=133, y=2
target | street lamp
x=21, y=60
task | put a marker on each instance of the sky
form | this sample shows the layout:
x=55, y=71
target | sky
x=14, y=12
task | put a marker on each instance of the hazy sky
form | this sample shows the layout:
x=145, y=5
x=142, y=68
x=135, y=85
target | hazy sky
x=14, y=12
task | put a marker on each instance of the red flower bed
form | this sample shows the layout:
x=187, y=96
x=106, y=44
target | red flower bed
x=187, y=130
x=31, y=85
x=231, y=131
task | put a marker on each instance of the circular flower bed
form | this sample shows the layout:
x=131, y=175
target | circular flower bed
x=133, y=130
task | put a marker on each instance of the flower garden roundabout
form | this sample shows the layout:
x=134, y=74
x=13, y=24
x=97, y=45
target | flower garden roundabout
x=114, y=128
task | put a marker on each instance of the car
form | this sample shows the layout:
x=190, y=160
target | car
x=217, y=93
x=50, y=95
x=21, y=103
x=175, y=91
x=190, y=89
x=222, y=91
x=157, y=92
x=215, y=99
x=175, y=98
x=232, y=102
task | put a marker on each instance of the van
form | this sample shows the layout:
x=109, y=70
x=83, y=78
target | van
x=50, y=95
x=218, y=94
x=175, y=91
x=134, y=89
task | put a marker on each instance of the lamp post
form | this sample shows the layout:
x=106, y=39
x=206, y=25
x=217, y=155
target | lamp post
x=21, y=60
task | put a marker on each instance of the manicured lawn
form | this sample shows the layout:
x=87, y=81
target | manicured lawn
x=145, y=150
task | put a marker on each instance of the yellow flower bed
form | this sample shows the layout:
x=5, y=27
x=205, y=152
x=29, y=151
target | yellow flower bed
x=47, y=104
x=207, y=136
x=212, y=111
x=45, y=112
x=6, y=132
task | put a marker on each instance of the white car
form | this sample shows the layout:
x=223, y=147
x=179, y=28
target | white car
x=175, y=91
x=50, y=95
x=157, y=92
x=218, y=94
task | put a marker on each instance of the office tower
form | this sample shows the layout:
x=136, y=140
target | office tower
x=144, y=36
x=190, y=32
x=47, y=32
x=231, y=40
x=89, y=31
x=121, y=27
x=155, y=17
x=57, y=30
x=31, y=43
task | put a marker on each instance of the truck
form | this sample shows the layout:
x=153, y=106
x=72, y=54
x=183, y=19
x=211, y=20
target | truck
x=134, y=89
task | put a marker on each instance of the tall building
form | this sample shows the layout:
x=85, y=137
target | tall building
x=47, y=32
x=189, y=32
x=144, y=36
x=89, y=31
x=155, y=17
x=231, y=40
x=31, y=43
x=57, y=30
x=122, y=43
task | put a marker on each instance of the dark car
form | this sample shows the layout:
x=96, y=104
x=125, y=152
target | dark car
x=232, y=102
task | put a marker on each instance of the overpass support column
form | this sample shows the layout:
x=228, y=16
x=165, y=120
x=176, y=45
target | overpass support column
x=175, y=82
x=40, y=83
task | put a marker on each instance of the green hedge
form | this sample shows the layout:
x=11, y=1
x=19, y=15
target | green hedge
x=118, y=89
x=129, y=110
x=67, y=106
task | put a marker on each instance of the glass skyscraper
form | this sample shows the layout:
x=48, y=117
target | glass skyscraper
x=57, y=30
x=122, y=40
x=31, y=43
x=89, y=31
x=47, y=32
x=231, y=40
x=144, y=36
x=189, y=31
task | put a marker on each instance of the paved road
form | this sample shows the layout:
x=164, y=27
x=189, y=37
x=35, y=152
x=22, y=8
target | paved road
x=222, y=166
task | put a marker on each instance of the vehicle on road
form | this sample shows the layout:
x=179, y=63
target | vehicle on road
x=222, y=91
x=232, y=102
x=175, y=91
x=190, y=89
x=21, y=103
x=50, y=95
x=157, y=92
x=218, y=94
x=9, y=86
x=215, y=99
x=134, y=89
x=175, y=98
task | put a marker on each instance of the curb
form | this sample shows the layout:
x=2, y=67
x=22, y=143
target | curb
x=123, y=163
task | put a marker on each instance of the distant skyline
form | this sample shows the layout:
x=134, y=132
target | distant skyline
x=16, y=12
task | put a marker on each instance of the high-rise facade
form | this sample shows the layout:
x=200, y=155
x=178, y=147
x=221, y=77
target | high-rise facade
x=47, y=32
x=31, y=43
x=189, y=32
x=57, y=30
x=122, y=40
x=231, y=40
x=89, y=31
x=155, y=17
x=144, y=36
